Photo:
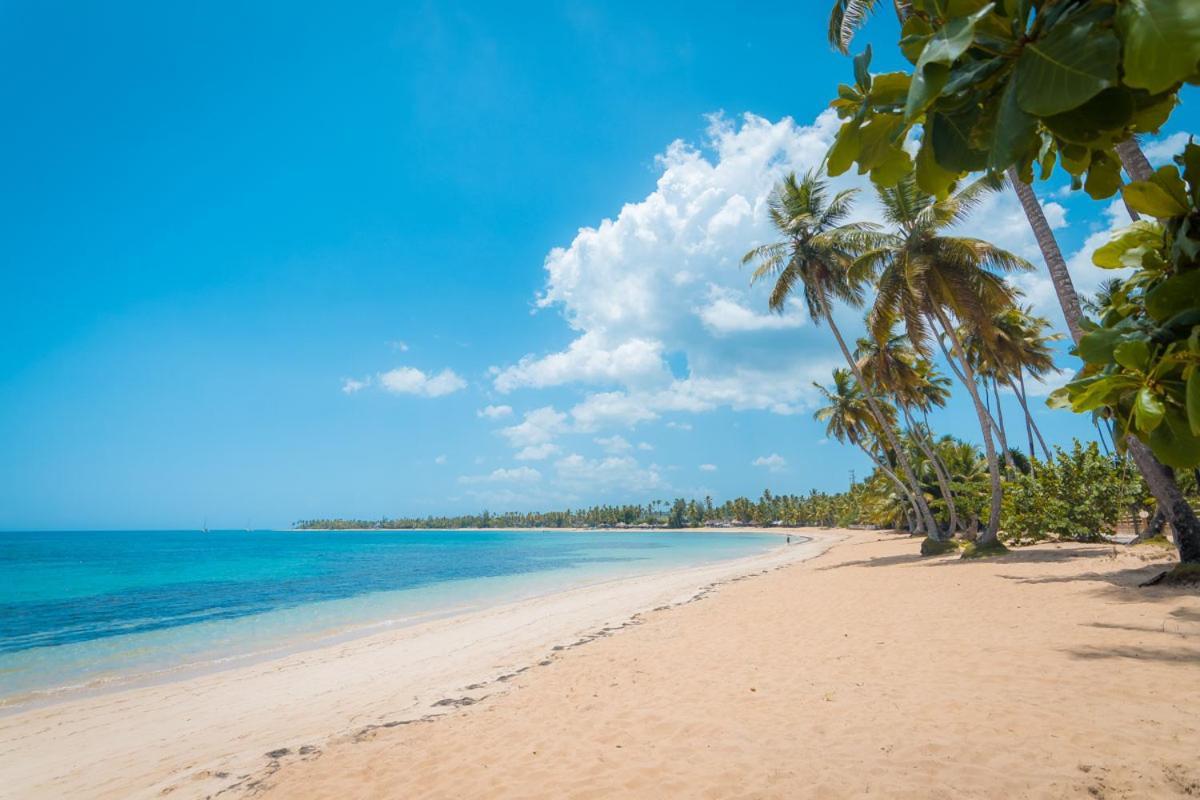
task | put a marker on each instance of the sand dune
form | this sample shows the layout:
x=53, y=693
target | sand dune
x=866, y=672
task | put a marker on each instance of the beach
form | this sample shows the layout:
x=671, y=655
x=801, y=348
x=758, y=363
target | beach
x=843, y=667
x=209, y=733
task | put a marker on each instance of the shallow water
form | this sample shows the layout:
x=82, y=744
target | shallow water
x=85, y=609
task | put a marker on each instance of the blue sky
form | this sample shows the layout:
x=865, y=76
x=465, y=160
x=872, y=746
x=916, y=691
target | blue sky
x=279, y=262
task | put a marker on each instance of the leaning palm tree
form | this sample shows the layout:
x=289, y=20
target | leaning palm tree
x=846, y=18
x=925, y=276
x=849, y=417
x=894, y=367
x=813, y=255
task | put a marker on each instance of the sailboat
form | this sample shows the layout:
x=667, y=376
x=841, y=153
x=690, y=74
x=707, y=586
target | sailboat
x=205, y=528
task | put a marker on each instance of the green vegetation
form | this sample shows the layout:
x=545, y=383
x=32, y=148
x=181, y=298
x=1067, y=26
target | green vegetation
x=1014, y=89
x=813, y=509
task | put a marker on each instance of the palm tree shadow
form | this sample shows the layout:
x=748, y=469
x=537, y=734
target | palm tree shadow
x=1184, y=656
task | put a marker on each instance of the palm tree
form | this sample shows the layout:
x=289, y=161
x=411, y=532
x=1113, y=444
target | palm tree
x=845, y=19
x=924, y=277
x=893, y=366
x=815, y=253
x=849, y=417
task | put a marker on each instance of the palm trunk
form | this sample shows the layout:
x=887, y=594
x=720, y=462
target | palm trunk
x=1161, y=482
x=1008, y=459
x=992, y=428
x=990, y=535
x=943, y=480
x=925, y=514
x=904, y=490
x=1030, y=425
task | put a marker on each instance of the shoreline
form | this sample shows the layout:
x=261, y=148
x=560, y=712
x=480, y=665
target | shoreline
x=379, y=679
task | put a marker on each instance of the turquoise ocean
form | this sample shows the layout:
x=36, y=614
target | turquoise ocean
x=83, y=611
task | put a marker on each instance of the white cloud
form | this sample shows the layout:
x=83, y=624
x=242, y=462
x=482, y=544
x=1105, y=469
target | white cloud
x=589, y=359
x=773, y=462
x=350, y=385
x=725, y=314
x=612, y=472
x=708, y=467
x=1164, y=150
x=539, y=426
x=398, y=346
x=502, y=475
x=613, y=444
x=537, y=452
x=410, y=380
x=494, y=412
x=645, y=446
x=663, y=313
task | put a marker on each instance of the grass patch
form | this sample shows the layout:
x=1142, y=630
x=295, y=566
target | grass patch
x=1187, y=575
x=937, y=547
x=976, y=550
x=1156, y=541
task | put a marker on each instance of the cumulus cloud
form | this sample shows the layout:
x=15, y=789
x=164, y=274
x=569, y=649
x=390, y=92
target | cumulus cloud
x=410, y=380
x=1162, y=151
x=773, y=462
x=663, y=313
x=538, y=452
x=539, y=426
x=725, y=314
x=351, y=385
x=612, y=472
x=494, y=412
x=708, y=467
x=613, y=444
x=502, y=475
x=592, y=358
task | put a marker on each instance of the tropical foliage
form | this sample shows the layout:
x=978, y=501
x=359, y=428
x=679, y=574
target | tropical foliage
x=1142, y=359
x=1015, y=83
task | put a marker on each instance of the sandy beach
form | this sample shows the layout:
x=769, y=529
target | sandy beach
x=844, y=667
x=210, y=734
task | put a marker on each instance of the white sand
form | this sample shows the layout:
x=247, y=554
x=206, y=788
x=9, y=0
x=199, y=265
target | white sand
x=196, y=737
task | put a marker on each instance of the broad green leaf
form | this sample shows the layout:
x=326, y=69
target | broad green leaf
x=940, y=53
x=931, y=176
x=1174, y=443
x=889, y=88
x=1126, y=247
x=1133, y=354
x=892, y=168
x=1014, y=132
x=1162, y=41
x=1096, y=347
x=845, y=149
x=1067, y=67
x=1191, y=171
x=1175, y=295
x=1103, y=177
x=1111, y=109
x=1075, y=159
x=1150, y=197
x=1151, y=111
x=951, y=140
x=914, y=36
x=1148, y=410
x=1193, y=401
x=1059, y=399
x=878, y=141
x=862, y=70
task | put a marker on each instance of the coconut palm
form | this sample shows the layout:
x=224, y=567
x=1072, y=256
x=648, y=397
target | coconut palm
x=849, y=417
x=846, y=17
x=891, y=365
x=813, y=255
x=924, y=277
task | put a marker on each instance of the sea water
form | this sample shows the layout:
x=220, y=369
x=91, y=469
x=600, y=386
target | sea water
x=81, y=611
